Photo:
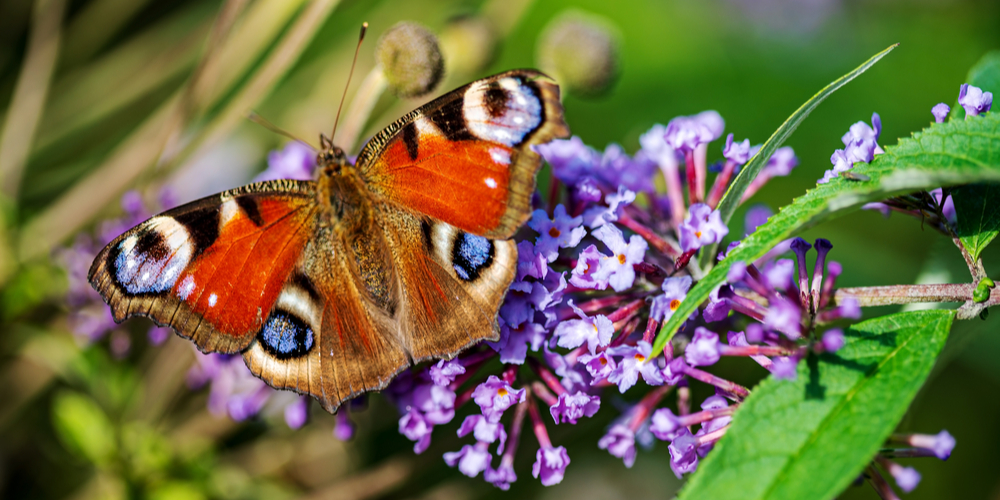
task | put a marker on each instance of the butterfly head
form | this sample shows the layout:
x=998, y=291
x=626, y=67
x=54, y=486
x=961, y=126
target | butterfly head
x=331, y=159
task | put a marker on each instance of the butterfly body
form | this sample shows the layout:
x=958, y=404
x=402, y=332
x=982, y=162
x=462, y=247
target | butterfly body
x=331, y=287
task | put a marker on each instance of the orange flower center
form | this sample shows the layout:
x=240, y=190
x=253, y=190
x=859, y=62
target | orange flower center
x=697, y=234
x=554, y=233
x=674, y=304
x=621, y=258
x=501, y=392
x=603, y=361
x=640, y=357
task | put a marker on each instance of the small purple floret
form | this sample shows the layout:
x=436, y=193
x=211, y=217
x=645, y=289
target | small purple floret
x=940, y=112
x=550, y=465
x=620, y=442
x=974, y=100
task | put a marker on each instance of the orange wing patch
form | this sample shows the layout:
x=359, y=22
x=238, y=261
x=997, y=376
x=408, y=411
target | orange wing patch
x=466, y=158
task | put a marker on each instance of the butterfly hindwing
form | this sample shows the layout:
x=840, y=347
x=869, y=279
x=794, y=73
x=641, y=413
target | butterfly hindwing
x=210, y=269
x=466, y=158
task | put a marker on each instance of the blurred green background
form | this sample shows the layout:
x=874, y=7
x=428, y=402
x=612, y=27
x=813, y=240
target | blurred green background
x=77, y=423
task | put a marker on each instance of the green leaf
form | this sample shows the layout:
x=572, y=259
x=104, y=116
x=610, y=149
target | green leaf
x=944, y=154
x=83, y=427
x=731, y=200
x=809, y=438
x=977, y=207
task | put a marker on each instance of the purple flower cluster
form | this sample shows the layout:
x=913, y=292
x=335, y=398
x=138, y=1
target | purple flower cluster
x=860, y=145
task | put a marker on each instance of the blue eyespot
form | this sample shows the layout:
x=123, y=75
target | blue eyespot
x=470, y=255
x=286, y=336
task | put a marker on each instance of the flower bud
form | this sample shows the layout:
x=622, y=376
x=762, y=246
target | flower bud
x=410, y=58
x=469, y=44
x=581, y=52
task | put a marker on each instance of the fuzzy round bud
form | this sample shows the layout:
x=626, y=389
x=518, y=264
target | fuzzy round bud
x=581, y=52
x=410, y=58
x=469, y=44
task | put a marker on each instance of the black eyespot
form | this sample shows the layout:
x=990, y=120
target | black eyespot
x=286, y=336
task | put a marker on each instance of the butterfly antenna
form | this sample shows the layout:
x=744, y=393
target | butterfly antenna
x=361, y=38
x=260, y=120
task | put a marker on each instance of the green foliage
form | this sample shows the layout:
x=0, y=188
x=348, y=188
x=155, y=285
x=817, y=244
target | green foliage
x=84, y=427
x=977, y=207
x=809, y=438
x=731, y=200
x=956, y=152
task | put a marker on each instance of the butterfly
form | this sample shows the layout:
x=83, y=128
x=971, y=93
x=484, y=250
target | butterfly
x=332, y=287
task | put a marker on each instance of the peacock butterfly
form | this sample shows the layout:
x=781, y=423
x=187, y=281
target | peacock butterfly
x=331, y=287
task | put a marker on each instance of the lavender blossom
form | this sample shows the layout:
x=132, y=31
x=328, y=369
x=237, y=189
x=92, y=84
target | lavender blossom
x=632, y=365
x=562, y=231
x=620, y=442
x=571, y=407
x=494, y=397
x=940, y=112
x=703, y=226
x=295, y=161
x=443, y=372
x=674, y=292
x=471, y=460
x=703, y=349
x=618, y=269
x=974, y=100
x=585, y=275
x=738, y=152
x=550, y=465
x=593, y=331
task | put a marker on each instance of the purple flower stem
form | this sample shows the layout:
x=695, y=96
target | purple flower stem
x=464, y=397
x=472, y=364
x=675, y=193
x=537, y=425
x=641, y=411
x=626, y=312
x=683, y=400
x=595, y=305
x=731, y=387
x=650, y=269
x=878, y=482
x=692, y=178
x=681, y=262
x=554, y=190
x=547, y=376
x=626, y=332
x=721, y=183
x=514, y=437
x=654, y=240
x=712, y=437
x=650, y=332
x=706, y=415
x=747, y=307
x=544, y=393
x=510, y=374
x=907, y=452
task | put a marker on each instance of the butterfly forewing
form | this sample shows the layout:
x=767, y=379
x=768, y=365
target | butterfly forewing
x=210, y=269
x=466, y=158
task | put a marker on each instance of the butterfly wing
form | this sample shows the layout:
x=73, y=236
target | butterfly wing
x=466, y=158
x=211, y=269
x=399, y=295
